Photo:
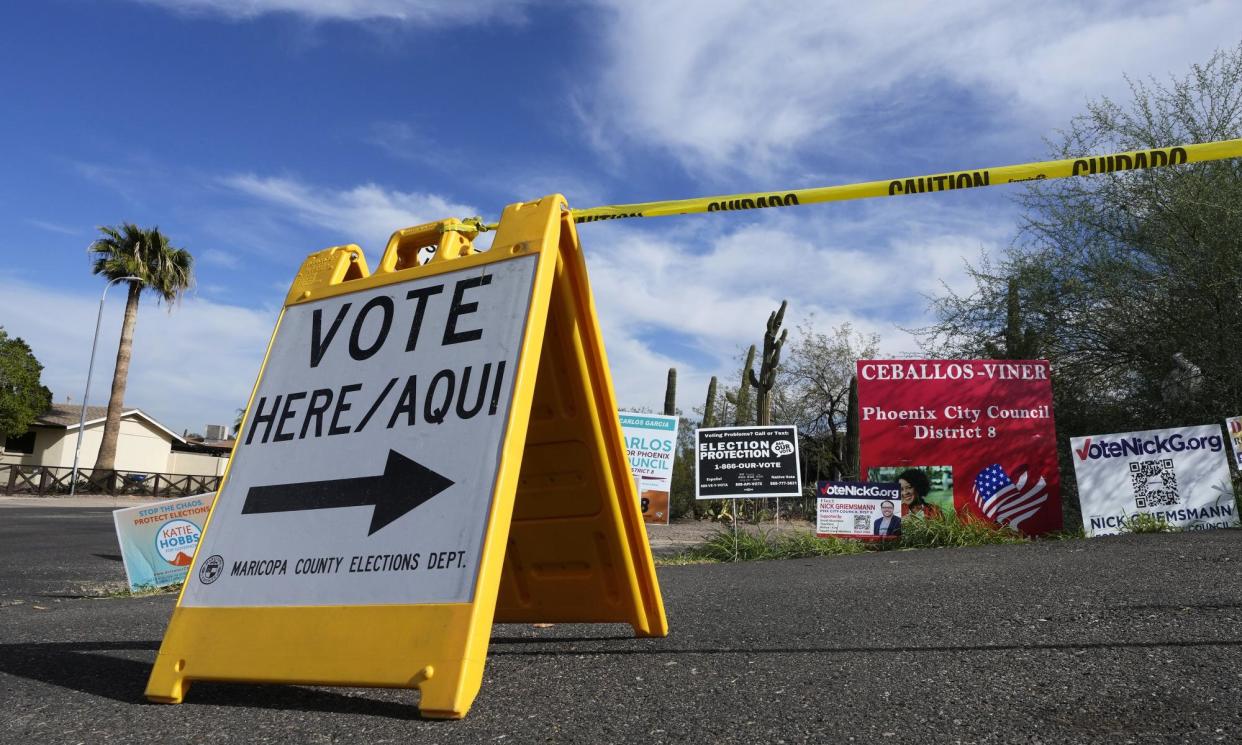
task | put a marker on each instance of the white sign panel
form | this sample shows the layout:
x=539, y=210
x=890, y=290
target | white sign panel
x=366, y=468
x=1178, y=475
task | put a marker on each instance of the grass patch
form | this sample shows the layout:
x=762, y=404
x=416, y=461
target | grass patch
x=1071, y=533
x=760, y=545
x=951, y=531
x=141, y=592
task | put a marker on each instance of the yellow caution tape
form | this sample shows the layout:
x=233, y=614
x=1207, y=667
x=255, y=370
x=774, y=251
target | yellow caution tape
x=1042, y=171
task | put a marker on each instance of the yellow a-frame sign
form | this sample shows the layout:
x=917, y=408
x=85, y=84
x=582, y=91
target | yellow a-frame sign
x=428, y=450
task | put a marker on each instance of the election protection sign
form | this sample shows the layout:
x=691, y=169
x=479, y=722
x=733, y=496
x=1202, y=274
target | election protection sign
x=1179, y=476
x=158, y=539
x=858, y=509
x=735, y=462
x=651, y=441
x=982, y=429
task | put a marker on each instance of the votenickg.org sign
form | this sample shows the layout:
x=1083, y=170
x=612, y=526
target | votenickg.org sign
x=1179, y=476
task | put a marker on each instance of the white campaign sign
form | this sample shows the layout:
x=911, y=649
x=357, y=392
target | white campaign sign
x=366, y=468
x=1179, y=475
x=856, y=509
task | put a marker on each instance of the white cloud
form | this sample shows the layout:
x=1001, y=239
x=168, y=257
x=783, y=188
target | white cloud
x=223, y=259
x=52, y=227
x=191, y=367
x=420, y=12
x=746, y=85
x=874, y=271
x=684, y=298
x=402, y=141
x=366, y=214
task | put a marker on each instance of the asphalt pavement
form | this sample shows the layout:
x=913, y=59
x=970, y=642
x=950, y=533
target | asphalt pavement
x=1135, y=639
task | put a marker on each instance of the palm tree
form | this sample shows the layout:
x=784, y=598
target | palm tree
x=167, y=271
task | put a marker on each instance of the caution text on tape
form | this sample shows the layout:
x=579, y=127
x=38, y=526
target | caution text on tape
x=970, y=179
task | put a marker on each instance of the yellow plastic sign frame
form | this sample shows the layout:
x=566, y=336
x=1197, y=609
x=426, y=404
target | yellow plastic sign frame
x=564, y=542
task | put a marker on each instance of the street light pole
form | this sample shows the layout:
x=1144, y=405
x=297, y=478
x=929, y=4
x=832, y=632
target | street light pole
x=77, y=450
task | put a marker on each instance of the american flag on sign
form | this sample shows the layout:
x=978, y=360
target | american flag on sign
x=1004, y=501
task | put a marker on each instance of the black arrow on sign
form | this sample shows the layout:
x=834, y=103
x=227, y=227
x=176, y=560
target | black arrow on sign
x=404, y=485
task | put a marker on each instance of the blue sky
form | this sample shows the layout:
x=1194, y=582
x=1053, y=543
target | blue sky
x=254, y=132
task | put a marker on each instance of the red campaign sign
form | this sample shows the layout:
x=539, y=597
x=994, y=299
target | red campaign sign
x=979, y=431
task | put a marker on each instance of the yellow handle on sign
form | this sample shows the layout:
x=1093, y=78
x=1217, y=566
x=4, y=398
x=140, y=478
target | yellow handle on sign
x=1040, y=171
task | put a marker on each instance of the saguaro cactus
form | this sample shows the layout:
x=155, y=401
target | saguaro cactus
x=1018, y=341
x=850, y=467
x=670, y=393
x=767, y=367
x=741, y=401
x=709, y=407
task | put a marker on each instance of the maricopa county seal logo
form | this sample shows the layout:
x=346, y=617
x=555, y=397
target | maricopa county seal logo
x=176, y=540
x=211, y=569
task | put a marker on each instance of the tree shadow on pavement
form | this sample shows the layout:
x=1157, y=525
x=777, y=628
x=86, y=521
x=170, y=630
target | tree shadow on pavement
x=88, y=667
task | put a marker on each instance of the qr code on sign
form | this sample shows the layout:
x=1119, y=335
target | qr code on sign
x=1155, y=483
x=860, y=523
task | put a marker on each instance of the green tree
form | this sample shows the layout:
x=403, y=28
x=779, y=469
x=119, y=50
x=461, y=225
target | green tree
x=813, y=392
x=23, y=398
x=1129, y=282
x=681, y=483
x=161, y=269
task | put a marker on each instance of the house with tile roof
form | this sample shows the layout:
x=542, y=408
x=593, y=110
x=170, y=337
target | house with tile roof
x=143, y=446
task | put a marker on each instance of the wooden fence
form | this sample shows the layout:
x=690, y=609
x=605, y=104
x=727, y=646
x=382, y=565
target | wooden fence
x=52, y=481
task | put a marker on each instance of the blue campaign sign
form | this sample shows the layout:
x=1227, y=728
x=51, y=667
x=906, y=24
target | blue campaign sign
x=158, y=539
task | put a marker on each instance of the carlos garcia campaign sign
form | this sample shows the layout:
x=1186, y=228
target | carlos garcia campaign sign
x=980, y=430
x=1178, y=475
x=651, y=441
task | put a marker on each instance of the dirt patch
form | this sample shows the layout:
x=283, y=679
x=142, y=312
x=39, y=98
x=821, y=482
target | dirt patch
x=667, y=540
